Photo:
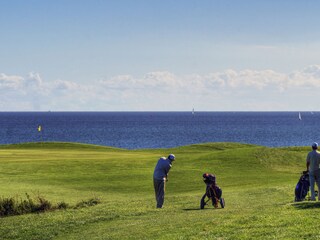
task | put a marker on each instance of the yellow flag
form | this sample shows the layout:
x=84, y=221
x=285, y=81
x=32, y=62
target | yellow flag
x=39, y=128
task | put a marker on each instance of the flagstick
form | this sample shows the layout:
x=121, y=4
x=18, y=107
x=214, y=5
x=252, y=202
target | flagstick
x=40, y=131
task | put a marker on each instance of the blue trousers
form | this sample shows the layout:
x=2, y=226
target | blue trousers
x=159, y=188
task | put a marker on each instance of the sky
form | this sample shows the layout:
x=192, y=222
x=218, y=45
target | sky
x=159, y=55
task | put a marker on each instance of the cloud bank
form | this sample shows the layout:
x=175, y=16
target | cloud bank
x=229, y=90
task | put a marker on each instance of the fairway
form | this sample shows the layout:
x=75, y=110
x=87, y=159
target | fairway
x=257, y=183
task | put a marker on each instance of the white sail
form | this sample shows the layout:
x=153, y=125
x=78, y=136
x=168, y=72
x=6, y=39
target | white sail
x=299, y=116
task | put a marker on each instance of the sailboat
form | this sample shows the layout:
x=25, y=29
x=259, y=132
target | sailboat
x=192, y=111
x=299, y=116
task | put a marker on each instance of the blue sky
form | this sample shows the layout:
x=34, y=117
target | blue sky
x=132, y=54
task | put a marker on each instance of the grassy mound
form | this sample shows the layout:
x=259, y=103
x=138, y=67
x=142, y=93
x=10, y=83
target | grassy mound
x=257, y=182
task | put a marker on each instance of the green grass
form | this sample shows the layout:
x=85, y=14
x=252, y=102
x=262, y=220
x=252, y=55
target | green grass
x=257, y=182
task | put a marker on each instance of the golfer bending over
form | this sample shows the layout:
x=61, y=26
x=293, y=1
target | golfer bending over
x=160, y=176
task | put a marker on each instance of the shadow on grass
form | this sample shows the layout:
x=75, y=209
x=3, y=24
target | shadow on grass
x=193, y=209
x=198, y=209
x=306, y=205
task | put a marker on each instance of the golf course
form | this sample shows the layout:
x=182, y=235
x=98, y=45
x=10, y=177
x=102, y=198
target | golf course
x=257, y=182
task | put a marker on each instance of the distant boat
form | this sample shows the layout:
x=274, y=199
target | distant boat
x=299, y=116
x=192, y=111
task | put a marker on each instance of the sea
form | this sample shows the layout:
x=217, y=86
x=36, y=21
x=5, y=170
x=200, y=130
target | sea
x=144, y=130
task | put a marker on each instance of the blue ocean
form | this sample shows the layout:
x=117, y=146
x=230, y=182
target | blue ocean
x=137, y=130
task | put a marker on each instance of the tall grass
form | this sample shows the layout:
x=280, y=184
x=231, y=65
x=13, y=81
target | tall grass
x=10, y=206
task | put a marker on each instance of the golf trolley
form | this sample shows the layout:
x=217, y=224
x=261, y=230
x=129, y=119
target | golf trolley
x=302, y=188
x=213, y=192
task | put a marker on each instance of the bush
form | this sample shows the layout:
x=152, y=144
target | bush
x=8, y=206
x=15, y=206
x=44, y=205
x=62, y=205
x=88, y=203
x=27, y=206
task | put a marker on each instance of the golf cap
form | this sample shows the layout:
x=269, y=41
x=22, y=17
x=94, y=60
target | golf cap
x=171, y=157
x=314, y=145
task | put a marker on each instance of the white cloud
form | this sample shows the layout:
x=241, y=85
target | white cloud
x=161, y=80
x=120, y=82
x=162, y=90
x=65, y=85
x=33, y=79
x=308, y=77
x=10, y=82
x=152, y=80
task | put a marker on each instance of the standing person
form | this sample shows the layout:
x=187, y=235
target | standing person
x=313, y=160
x=160, y=177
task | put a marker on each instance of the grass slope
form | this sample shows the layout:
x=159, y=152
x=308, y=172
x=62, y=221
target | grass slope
x=257, y=183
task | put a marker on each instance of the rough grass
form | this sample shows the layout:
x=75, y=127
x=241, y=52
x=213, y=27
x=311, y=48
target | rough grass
x=257, y=182
x=16, y=206
x=10, y=206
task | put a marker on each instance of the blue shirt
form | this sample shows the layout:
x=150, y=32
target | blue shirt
x=162, y=169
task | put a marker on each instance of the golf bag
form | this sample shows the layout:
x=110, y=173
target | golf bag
x=213, y=192
x=302, y=187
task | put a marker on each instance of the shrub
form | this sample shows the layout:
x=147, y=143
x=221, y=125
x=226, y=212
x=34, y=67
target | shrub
x=44, y=205
x=15, y=206
x=26, y=206
x=8, y=206
x=62, y=205
x=91, y=202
